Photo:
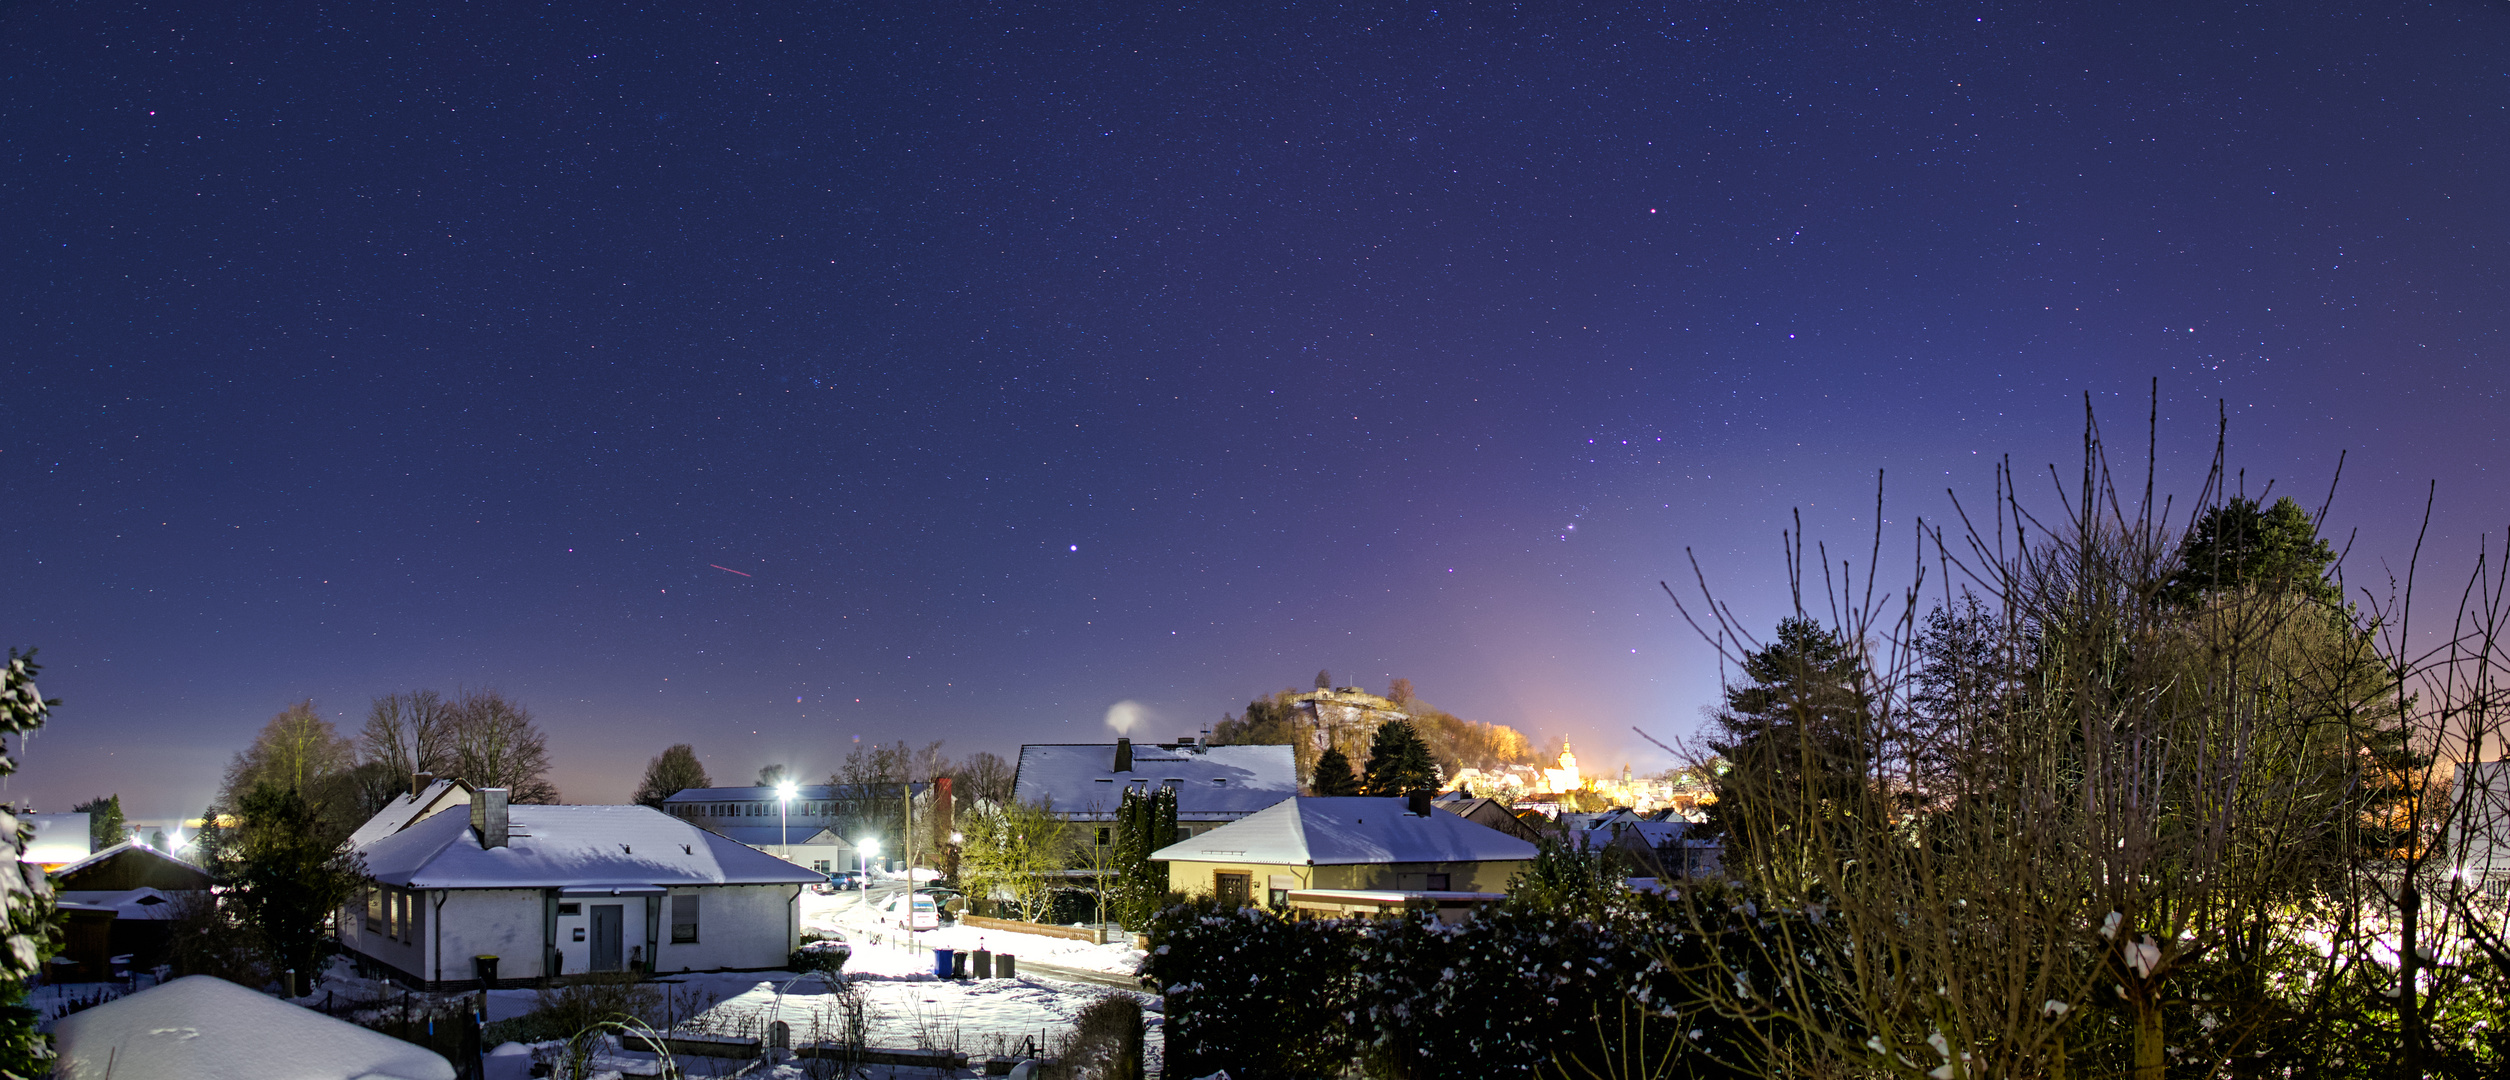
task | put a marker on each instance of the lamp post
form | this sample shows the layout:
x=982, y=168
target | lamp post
x=784, y=807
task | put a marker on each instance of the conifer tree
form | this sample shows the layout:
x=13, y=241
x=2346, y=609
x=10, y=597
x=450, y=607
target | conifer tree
x=1398, y=761
x=1333, y=774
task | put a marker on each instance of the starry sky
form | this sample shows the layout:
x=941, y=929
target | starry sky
x=767, y=378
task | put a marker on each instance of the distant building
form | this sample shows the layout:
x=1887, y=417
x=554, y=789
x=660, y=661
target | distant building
x=120, y=902
x=822, y=825
x=1363, y=843
x=1215, y=785
x=60, y=839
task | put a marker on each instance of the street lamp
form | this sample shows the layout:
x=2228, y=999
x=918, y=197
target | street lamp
x=864, y=849
x=784, y=806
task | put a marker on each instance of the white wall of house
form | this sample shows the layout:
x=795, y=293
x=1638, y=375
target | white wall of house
x=738, y=927
x=504, y=923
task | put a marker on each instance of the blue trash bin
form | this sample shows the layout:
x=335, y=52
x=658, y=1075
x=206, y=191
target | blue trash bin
x=941, y=963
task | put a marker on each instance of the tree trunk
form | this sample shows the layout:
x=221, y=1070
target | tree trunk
x=2409, y=1007
x=2151, y=1054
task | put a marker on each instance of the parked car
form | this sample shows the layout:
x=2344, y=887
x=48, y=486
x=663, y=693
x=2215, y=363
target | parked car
x=840, y=881
x=912, y=912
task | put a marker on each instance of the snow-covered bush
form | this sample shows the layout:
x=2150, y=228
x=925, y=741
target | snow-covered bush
x=1252, y=993
x=1520, y=990
x=25, y=894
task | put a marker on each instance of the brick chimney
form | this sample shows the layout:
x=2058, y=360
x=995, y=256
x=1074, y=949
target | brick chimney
x=488, y=816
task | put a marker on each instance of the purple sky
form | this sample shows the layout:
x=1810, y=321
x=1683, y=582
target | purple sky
x=1022, y=361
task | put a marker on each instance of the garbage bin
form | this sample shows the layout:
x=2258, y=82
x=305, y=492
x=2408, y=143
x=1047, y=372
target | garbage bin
x=941, y=963
x=958, y=965
x=984, y=964
x=1005, y=967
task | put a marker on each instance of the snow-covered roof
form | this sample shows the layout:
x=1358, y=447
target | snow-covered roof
x=397, y=815
x=572, y=847
x=764, y=836
x=801, y=793
x=1212, y=782
x=139, y=903
x=117, y=849
x=1338, y=830
x=203, y=1028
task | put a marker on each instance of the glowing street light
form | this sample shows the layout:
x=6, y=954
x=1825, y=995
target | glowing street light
x=864, y=849
x=784, y=807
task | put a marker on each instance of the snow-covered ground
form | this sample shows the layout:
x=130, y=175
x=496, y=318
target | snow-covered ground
x=859, y=921
x=904, y=1006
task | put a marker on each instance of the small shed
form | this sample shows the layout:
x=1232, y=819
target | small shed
x=130, y=865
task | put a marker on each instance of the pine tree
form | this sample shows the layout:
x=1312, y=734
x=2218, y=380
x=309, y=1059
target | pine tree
x=1398, y=761
x=105, y=824
x=1333, y=774
x=1785, y=734
x=25, y=902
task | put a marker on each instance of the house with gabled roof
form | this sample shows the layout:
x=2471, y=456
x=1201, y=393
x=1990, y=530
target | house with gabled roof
x=1215, y=785
x=1347, y=843
x=558, y=890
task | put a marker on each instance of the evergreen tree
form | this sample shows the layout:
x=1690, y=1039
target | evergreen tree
x=671, y=772
x=105, y=824
x=284, y=875
x=1398, y=761
x=1145, y=822
x=25, y=901
x=1333, y=774
x=2238, y=544
x=1788, y=735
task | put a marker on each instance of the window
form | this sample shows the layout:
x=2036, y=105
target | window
x=565, y=910
x=819, y=866
x=412, y=909
x=374, y=908
x=684, y=919
x=1103, y=836
x=1233, y=889
x=1437, y=883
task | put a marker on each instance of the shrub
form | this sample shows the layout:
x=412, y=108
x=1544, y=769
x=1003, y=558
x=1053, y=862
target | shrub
x=577, y=1004
x=1252, y=993
x=1105, y=1043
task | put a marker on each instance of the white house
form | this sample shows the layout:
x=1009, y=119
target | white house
x=1215, y=785
x=554, y=890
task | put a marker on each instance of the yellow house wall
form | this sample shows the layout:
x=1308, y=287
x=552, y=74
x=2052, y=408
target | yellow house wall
x=1195, y=878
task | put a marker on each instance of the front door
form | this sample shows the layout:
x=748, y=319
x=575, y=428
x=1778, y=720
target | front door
x=606, y=924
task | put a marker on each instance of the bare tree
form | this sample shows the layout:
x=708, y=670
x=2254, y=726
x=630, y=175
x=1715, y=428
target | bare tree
x=297, y=751
x=2128, y=796
x=407, y=734
x=674, y=770
x=986, y=777
x=496, y=744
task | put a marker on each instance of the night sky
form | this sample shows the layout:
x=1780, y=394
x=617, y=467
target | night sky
x=765, y=379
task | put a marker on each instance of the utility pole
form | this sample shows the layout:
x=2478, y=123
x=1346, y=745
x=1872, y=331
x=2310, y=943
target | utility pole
x=907, y=793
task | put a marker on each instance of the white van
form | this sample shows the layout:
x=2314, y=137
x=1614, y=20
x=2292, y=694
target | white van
x=913, y=911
